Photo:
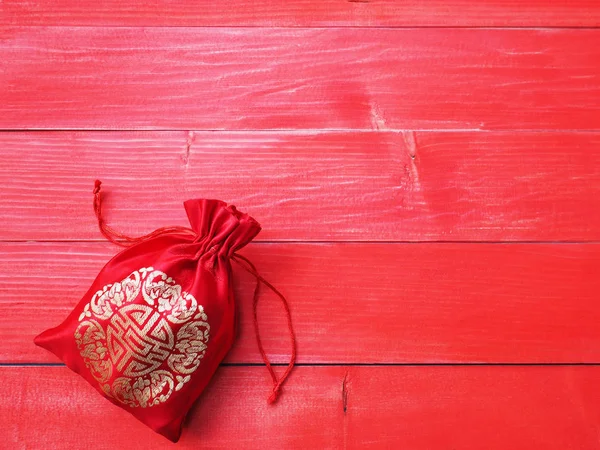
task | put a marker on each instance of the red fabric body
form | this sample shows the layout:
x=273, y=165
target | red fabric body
x=136, y=335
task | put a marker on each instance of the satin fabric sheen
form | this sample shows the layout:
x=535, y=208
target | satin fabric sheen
x=201, y=266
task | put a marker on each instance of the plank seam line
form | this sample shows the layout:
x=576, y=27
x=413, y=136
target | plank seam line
x=12, y=25
x=326, y=242
x=354, y=364
x=303, y=131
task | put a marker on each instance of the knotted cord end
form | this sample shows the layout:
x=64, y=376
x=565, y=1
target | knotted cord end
x=247, y=265
x=121, y=239
x=97, y=186
x=274, y=395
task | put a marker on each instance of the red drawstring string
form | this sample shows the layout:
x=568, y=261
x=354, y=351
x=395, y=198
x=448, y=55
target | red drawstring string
x=277, y=382
x=121, y=239
x=124, y=241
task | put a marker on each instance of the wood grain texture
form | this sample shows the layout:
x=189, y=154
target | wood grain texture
x=357, y=303
x=417, y=408
x=286, y=78
x=59, y=409
x=468, y=408
x=424, y=186
x=409, y=128
x=547, y=13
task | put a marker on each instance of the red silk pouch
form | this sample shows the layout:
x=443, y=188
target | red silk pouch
x=160, y=316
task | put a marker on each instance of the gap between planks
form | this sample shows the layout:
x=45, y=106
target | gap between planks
x=358, y=364
x=258, y=241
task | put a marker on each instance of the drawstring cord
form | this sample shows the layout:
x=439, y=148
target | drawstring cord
x=277, y=382
x=121, y=239
x=125, y=241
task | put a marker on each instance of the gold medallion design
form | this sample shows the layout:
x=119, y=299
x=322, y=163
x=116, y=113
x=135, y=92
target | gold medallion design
x=125, y=344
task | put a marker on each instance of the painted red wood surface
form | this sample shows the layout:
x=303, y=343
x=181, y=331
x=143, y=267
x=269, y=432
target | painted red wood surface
x=547, y=13
x=286, y=78
x=520, y=408
x=357, y=303
x=326, y=407
x=330, y=133
x=385, y=186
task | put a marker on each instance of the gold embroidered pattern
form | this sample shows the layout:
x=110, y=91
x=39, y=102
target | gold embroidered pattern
x=131, y=341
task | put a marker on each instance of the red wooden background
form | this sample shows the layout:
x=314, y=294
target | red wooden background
x=427, y=175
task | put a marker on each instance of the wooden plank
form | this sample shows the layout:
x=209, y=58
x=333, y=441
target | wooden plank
x=288, y=78
x=465, y=408
x=51, y=407
x=461, y=186
x=547, y=13
x=385, y=407
x=357, y=303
